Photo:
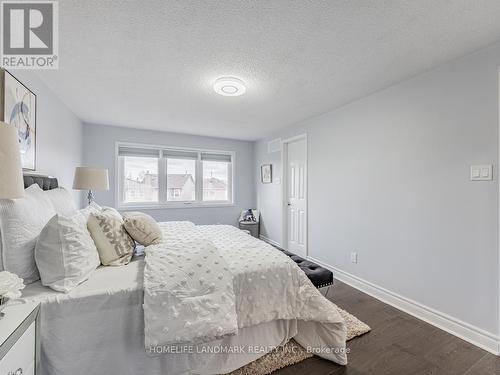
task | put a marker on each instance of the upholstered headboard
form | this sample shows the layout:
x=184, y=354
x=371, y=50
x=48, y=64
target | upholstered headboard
x=45, y=182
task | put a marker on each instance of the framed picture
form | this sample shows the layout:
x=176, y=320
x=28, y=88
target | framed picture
x=19, y=110
x=266, y=173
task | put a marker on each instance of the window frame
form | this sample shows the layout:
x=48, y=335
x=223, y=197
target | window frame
x=162, y=179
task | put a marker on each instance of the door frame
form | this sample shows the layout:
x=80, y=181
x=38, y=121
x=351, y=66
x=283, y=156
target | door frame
x=284, y=161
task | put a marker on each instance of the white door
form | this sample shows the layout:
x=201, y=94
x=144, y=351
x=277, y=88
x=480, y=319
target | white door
x=296, y=156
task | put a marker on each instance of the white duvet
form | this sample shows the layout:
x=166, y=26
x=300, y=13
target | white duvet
x=188, y=293
x=207, y=282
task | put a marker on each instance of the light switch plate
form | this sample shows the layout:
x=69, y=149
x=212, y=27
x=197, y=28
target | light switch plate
x=481, y=172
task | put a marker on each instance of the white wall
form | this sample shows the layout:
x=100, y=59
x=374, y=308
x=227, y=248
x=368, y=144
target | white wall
x=99, y=151
x=389, y=179
x=58, y=133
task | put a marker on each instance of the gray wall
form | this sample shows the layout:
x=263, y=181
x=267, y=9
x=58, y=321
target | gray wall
x=99, y=151
x=58, y=133
x=389, y=178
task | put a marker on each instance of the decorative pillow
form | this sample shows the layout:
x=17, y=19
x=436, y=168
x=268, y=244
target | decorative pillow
x=92, y=208
x=95, y=206
x=65, y=253
x=113, y=243
x=62, y=201
x=21, y=221
x=142, y=228
x=111, y=210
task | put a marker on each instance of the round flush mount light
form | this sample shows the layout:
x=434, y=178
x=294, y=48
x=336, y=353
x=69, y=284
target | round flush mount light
x=229, y=86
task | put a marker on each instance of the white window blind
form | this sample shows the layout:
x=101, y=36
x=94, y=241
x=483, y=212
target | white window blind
x=138, y=152
x=206, y=156
x=180, y=154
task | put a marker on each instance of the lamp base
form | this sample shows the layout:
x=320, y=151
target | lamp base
x=90, y=196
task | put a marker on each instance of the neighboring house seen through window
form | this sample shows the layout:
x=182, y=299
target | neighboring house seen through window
x=155, y=176
x=181, y=179
x=215, y=180
x=140, y=179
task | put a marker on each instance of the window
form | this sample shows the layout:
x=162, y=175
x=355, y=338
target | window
x=215, y=180
x=140, y=183
x=181, y=175
x=164, y=177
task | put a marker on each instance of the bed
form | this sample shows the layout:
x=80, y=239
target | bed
x=99, y=327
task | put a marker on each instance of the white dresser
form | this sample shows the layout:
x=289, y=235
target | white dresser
x=19, y=344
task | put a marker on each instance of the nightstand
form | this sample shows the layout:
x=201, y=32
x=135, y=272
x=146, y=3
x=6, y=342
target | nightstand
x=19, y=343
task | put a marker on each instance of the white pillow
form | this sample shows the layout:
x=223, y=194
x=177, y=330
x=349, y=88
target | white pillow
x=111, y=210
x=62, y=201
x=92, y=208
x=65, y=253
x=21, y=221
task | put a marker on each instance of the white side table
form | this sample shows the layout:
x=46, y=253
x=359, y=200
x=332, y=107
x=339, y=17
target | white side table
x=19, y=339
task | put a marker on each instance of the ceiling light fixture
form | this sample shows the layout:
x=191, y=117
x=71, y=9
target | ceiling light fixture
x=229, y=86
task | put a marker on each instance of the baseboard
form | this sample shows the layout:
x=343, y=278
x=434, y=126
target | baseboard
x=270, y=241
x=474, y=335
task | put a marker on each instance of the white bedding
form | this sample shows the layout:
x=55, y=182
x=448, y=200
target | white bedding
x=98, y=328
x=191, y=297
x=188, y=293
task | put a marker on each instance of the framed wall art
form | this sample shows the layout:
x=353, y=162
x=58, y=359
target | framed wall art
x=19, y=110
x=266, y=173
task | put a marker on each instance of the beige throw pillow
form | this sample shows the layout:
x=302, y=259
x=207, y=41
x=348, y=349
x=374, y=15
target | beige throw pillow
x=113, y=243
x=143, y=228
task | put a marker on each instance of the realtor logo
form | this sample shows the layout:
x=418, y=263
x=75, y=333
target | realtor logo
x=29, y=35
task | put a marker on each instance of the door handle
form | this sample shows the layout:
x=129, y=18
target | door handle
x=289, y=204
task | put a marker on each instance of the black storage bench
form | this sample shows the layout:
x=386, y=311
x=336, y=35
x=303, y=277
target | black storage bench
x=319, y=276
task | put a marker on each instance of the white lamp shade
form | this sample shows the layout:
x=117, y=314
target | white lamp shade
x=91, y=179
x=11, y=173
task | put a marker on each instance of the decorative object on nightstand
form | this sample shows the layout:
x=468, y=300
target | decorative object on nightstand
x=11, y=182
x=250, y=222
x=10, y=288
x=91, y=179
x=19, y=339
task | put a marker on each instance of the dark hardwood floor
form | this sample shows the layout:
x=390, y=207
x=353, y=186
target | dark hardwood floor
x=398, y=344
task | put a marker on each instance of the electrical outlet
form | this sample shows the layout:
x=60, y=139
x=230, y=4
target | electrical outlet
x=354, y=257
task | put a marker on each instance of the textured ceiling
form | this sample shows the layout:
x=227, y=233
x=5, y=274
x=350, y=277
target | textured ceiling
x=151, y=64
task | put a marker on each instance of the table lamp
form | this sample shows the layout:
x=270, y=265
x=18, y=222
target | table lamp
x=91, y=179
x=11, y=173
